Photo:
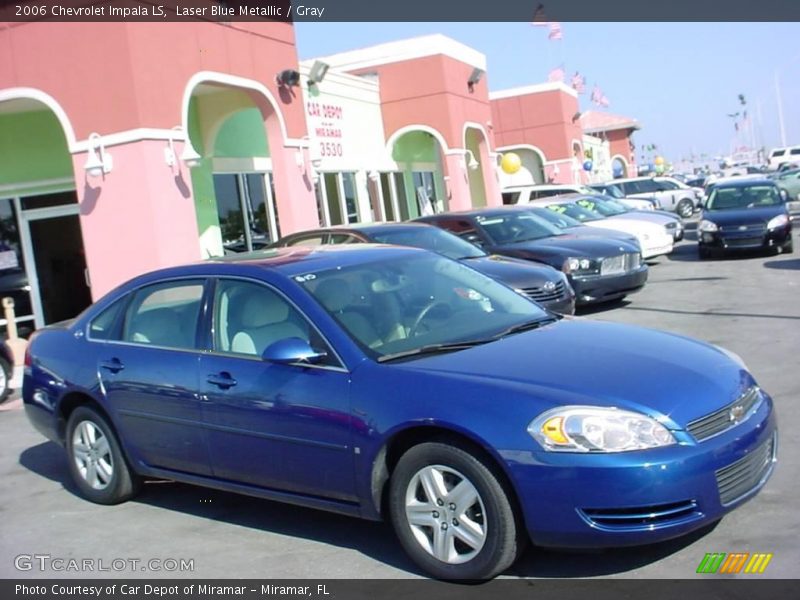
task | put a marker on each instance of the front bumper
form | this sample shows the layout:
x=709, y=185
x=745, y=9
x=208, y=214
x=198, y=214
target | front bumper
x=563, y=306
x=602, y=288
x=632, y=498
x=657, y=247
x=746, y=239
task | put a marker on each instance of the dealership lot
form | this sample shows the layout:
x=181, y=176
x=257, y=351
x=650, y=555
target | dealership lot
x=748, y=305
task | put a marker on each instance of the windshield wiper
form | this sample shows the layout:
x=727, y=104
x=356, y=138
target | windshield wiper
x=435, y=349
x=524, y=326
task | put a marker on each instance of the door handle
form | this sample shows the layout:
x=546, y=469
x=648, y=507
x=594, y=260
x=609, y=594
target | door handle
x=114, y=365
x=222, y=380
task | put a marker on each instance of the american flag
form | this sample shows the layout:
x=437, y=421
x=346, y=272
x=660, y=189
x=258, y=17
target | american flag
x=603, y=101
x=579, y=83
x=597, y=93
x=555, y=31
x=556, y=74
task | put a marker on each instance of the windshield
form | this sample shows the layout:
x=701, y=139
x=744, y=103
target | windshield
x=614, y=191
x=606, y=208
x=558, y=219
x=400, y=305
x=751, y=196
x=429, y=238
x=576, y=212
x=516, y=226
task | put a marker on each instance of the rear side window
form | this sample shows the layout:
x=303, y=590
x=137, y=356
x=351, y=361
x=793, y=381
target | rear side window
x=103, y=326
x=778, y=152
x=164, y=315
x=510, y=197
x=794, y=151
x=313, y=240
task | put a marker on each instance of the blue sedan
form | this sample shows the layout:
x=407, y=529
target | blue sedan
x=395, y=383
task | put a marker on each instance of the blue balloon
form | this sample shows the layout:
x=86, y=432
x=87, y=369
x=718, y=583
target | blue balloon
x=617, y=170
x=587, y=165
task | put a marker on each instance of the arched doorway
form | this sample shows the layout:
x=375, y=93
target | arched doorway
x=619, y=167
x=42, y=258
x=531, y=171
x=418, y=187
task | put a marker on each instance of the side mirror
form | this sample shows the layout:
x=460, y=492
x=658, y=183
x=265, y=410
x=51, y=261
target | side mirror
x=784, y=195
x=292, y=350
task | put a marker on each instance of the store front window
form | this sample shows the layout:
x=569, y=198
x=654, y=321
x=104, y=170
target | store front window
x=42, y=262
x=337, y=198
x=246, y=210
x=425, y=191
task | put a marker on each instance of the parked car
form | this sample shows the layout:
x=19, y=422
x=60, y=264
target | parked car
x=653, y=239
x=540, y=283
x=613, y=191
x=667, y=194
x=599, y=270
x=782, y=156
x=670, y=222
x=790, y=181
x=744, y=215
x=524, y=194
x=6, y=370
x=574, y=227
x=486, y=423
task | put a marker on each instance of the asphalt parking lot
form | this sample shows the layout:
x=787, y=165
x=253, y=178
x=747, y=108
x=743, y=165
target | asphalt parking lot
x=750, y=305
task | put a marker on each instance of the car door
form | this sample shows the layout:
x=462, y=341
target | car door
x=278, y=426
x=148, y=375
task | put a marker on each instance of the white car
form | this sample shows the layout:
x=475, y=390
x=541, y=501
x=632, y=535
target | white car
x=653, y=238
x=670, y=194
x=781, y=156
x=524, y=194
x=608, y=207
x=613, y=191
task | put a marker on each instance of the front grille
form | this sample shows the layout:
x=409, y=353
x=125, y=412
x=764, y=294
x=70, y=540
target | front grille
x=720, y=420
x=641, y=517
x=750, y=229
x=540, y=294
x=743, y=242
x=614, y=265
x=746, y=474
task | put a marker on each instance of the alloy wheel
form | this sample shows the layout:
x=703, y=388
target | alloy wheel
x=446, y=514
x=92, y=455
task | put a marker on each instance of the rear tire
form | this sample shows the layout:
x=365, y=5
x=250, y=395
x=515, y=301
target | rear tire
x=5, y=379
x=96, y=462
x=452, y=514
x=685, y=208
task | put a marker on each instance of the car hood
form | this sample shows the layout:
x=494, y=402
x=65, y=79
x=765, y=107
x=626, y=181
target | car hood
x=599, y=232
x=568, y=245
x=651, y=216
x=743, y=216
x=637, y=227
x=577, y=361
x=514, y=272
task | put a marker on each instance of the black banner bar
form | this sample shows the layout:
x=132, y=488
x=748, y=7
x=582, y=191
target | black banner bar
x=706, y=587
x=400, y=11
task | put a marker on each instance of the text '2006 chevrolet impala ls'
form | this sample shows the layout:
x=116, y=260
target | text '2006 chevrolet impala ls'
x=387, y=382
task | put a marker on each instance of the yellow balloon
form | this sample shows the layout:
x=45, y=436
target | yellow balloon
x=659, y=160
x=510, y=163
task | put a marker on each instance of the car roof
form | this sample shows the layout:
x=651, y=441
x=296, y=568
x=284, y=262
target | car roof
x=742, y=182
x=285, y=261
x=540, y=186
x=480, y=212
x=359, y=227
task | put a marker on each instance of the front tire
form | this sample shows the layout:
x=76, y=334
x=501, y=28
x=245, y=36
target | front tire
x=703, y=253
x=788, y=247
x=685, y=208
x=452, y=514
x=96, y=462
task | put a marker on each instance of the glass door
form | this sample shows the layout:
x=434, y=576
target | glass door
x=246, y=210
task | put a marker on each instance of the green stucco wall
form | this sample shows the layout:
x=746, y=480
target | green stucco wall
x=32, y=148
x=418, y=147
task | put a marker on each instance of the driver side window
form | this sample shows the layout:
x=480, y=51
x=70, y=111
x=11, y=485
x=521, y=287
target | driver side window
x=249, y=317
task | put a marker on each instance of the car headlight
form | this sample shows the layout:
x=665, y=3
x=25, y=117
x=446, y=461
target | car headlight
x=596, y=429
x=779, y=221
x=580, y=265
x=707, y=226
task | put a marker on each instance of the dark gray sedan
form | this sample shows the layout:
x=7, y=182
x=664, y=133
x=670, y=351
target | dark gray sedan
x=546, y=285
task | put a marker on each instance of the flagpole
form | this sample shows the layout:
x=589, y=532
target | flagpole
x=780, y=109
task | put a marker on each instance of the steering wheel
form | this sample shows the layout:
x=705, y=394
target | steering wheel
x=413, y=330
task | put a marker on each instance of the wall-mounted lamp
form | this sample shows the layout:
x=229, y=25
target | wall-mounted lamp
x=288, y=77
x=317, y=72
x=98, y=165
x=189, y=156
x=473, y=164
x=576, y=116
x=474, y=78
